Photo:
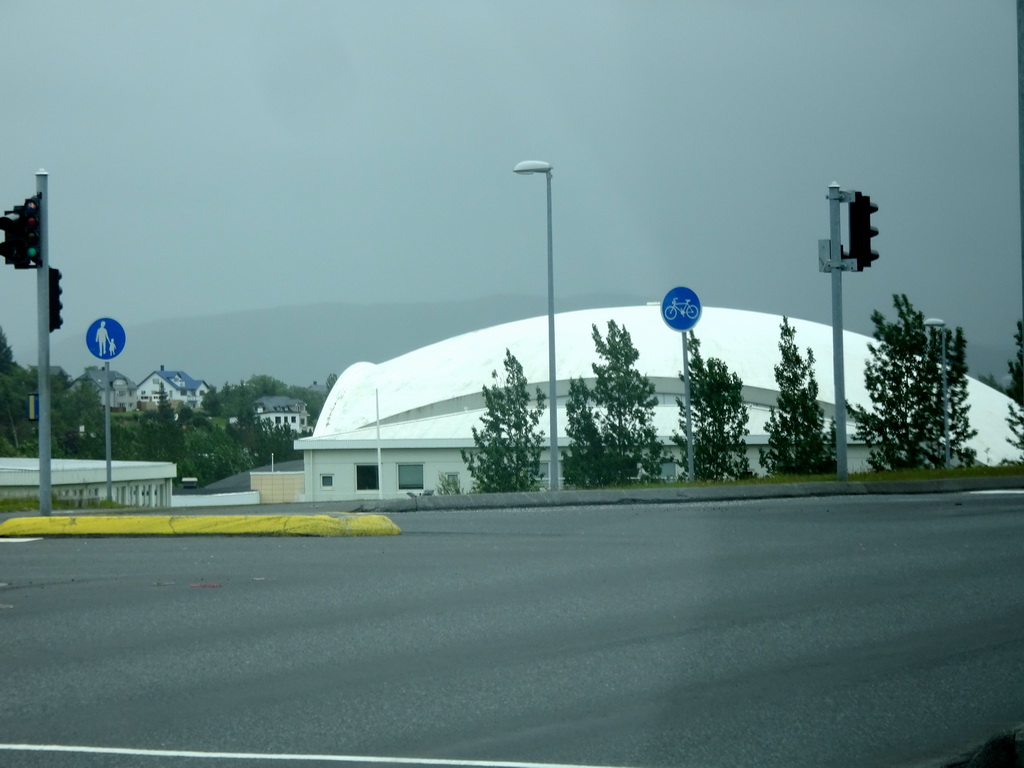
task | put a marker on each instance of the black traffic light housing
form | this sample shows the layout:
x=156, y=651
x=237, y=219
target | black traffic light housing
x=861, y=231
x=22, y=244
x=56, y=321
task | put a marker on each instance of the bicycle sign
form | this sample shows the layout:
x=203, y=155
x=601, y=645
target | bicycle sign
x=680, y=309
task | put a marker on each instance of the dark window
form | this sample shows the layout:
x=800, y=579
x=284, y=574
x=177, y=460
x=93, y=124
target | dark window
x=410, y=477
x=366, y=477
x=326, y=481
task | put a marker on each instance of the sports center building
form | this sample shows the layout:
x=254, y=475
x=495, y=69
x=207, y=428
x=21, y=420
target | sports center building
x=398, y=427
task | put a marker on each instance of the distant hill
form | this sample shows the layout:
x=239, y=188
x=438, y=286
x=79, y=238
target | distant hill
x=304, y=344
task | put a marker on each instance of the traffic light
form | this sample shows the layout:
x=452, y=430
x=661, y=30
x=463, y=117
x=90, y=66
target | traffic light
x=33, y=245
x=21, y=226
x=861, y=231
x=13, y=246
x=56, y=321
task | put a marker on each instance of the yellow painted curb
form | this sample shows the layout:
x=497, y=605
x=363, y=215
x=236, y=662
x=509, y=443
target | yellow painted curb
x=217, y=525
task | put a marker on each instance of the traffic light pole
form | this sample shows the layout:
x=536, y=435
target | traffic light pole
x=43, y=312
x=835, y=198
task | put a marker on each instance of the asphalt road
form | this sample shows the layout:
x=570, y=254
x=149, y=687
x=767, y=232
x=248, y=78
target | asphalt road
x=858, y=631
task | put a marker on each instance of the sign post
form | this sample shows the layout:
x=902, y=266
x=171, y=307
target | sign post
x=681, y=309
x=105, y=339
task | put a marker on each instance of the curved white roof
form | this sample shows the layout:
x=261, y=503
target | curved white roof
x=435, y=392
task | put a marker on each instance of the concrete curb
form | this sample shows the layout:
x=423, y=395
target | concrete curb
x=686, y=495
x=210, y=525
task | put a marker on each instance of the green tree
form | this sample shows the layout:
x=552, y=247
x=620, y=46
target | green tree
x=1016, y=391
x=508, y=447
x=17, y=434
x=583, y=465
x=798, y=442
x=76, y=428
x=158, y=437
x=611, y=428
x=239, y=400
x=6, y=355
x=719, y=419
x=264, y=443
x=211, y=454
x=903, y=376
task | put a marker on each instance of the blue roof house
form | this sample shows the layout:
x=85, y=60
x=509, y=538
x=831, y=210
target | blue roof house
x=178, y=387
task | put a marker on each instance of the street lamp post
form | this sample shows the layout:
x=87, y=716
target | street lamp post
x=539, y=166
x=934, y=322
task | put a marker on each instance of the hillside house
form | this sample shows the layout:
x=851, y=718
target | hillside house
x=179, y=388
x=281, y=411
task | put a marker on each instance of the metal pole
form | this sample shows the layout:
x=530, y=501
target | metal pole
x=836, y=252
x=43, y=317
x=945, y=397
x=552, y=393
x=1020, y=156
x=106, y=426
x=380, y=465
x=687, y=401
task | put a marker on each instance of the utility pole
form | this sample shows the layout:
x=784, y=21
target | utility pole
x=832, y=258
x=43, y=316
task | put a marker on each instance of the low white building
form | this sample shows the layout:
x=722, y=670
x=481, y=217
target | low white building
x=430, y=399
x=83, y=483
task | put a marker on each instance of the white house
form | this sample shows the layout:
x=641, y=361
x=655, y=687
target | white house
x=281, y=411
x=429, y=399
x=178, y=387
x=122, y=389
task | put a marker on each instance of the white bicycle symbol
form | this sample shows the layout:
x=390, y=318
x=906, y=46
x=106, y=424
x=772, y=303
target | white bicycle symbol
x=686, y=309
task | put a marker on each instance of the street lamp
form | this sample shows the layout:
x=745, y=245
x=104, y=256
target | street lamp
x=539, y=166
x=934, y=322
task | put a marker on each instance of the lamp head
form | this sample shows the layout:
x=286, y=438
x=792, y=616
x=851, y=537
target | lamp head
x=532, y=166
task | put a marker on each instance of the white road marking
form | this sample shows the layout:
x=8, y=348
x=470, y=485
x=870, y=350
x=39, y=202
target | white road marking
x=17, y=541
x=272, y=756
x=1003, y=490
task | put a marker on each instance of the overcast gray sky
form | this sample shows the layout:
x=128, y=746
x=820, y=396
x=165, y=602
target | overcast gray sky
x=216, y=156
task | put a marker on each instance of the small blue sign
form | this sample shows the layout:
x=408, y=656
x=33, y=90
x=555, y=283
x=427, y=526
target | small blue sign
x=680, y=309
x=105, y=338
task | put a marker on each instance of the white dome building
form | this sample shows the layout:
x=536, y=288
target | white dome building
x=418, y=409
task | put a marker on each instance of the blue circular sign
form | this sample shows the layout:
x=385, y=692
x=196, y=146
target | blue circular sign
x=680, y=309
x=105, y=338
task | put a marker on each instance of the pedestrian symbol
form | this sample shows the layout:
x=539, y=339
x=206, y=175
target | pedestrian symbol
x=105, y=338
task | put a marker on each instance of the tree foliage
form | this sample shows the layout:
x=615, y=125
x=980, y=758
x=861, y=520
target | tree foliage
x=903, y=376
x=1016, y=391
x=611, y=428
x=798, y=442
x=583, y=465
x=200, y=446
x=239, y=400
x=6, y=355
x=719, y=418
x=508, y=446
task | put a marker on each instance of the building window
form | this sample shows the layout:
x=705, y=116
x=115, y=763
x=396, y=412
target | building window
x=366, y=477
x=410, y=477
x=326, y=481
